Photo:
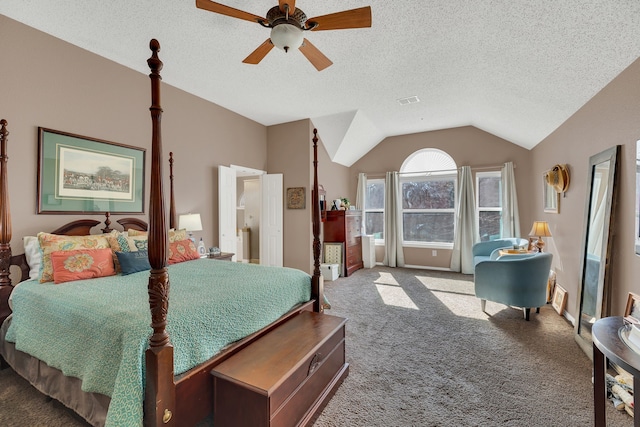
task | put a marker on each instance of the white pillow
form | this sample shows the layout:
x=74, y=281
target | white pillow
x=11, y=297
x=33, y=253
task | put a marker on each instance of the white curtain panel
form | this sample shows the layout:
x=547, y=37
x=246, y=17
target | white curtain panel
x=361, y=191
x=510, y=217
x=466, y=228
x=393, y=254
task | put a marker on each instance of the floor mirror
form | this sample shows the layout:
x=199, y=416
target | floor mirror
x=594, y=292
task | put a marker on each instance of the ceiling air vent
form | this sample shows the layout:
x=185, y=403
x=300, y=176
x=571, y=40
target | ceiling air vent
x=408, y=100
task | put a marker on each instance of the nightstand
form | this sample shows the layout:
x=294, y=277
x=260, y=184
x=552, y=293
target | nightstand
x=222, y=256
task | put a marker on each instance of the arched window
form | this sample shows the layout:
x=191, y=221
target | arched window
x=429, y=160
x=428, y=179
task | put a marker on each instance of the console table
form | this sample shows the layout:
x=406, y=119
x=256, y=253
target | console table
x=607, y=345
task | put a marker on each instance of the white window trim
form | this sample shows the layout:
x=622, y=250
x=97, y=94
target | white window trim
x=378, y=242
x=497, y=174
x=440, y=177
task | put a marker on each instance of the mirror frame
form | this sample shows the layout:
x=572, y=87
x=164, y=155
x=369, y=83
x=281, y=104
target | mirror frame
x=603, y=294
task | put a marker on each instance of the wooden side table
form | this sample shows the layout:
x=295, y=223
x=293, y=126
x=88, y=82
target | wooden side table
x=607, y=344
x=222, y=256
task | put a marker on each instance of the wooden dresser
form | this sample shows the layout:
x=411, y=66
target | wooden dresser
x=285, y=378
x=345, y=226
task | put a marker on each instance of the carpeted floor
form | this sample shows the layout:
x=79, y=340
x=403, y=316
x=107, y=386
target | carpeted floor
x=422, y=353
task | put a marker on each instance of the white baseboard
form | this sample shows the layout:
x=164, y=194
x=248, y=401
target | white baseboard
x=421, y=267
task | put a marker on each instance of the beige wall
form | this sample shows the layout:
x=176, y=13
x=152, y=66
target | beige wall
x=50, y=83
x=468, y=146
x=612, y=117
x=289, y=153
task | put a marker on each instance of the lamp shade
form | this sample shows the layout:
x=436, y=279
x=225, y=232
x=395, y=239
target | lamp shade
x=190, y=222
x=540, y=229
x=286, y=36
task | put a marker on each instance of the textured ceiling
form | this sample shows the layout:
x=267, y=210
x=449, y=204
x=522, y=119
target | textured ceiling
x=517, y=69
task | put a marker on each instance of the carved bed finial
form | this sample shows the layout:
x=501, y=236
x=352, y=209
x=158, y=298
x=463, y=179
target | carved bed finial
x=159, y=279
x=172, y=202
x=317, y=283
x=160, y=391
x=107, y=222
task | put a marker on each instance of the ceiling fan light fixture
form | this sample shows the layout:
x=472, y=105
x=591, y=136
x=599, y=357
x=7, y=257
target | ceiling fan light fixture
x=286, y=36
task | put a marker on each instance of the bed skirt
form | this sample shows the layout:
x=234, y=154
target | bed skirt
x=51, y=382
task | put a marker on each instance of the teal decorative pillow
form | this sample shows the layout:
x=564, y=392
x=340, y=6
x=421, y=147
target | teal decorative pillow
x=132, y=262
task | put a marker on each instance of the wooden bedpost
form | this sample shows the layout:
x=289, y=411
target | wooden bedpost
x=317, y=282
x=160, y=394
x=5, y=226
x=172, y=202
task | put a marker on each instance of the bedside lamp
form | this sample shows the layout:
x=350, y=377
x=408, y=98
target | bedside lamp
x=540, y=229
x=191, y=223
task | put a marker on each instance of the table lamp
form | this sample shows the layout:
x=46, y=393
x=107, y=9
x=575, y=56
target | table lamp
x=191, y=223
x=540, y=229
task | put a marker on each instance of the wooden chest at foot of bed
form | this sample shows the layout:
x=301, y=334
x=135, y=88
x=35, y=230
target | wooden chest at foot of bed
x=285, y=378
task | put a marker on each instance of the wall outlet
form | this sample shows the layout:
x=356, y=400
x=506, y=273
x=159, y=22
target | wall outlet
x=434, y=253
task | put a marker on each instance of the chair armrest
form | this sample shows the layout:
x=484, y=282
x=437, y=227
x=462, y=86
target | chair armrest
x=518, y=280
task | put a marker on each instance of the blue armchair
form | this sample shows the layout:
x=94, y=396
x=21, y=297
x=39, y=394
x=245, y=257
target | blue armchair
x=482, y=250
x=514, y=280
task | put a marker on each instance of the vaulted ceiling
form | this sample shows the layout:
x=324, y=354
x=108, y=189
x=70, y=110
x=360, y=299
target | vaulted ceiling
x=517, y=69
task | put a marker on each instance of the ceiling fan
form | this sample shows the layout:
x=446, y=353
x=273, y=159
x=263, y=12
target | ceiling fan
x=287, y=24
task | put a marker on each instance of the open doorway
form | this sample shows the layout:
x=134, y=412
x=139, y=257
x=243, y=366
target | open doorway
x=250, y=214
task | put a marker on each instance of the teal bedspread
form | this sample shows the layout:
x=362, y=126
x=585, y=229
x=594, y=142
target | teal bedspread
x=98, y=329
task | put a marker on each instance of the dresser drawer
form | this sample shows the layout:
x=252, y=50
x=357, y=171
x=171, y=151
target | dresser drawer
x=354, y=255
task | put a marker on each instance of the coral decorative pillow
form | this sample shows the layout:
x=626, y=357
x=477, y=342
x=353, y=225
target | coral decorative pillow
x=182, y=250
x=50, y=243
x=81, y=264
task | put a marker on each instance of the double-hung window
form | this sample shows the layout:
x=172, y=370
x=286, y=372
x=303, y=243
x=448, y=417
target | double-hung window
x=428, y=186
x=374, y=208
x=428, y=209
x=489, y=204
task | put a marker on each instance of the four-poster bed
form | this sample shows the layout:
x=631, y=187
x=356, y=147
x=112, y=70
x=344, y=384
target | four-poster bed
x=187, y=398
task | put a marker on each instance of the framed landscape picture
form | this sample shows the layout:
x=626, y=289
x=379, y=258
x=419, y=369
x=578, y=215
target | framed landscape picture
x=78, y=174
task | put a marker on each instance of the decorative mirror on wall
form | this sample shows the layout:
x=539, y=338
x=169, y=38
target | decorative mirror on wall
x=594, y=291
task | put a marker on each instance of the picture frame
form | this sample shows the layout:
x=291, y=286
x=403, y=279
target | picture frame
x=632, y=309
x=296, y=198
x=559, y=301
x=550, y=197
x=83, y=175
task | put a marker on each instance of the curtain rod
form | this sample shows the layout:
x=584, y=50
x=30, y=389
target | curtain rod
x=479, y=168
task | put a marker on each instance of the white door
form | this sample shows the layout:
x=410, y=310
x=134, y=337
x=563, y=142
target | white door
x=227, y=209
x=271, y=240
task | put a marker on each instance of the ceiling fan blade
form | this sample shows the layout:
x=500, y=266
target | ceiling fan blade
x=228, y=11
x=314, y=56
x=354, y=18
x=258, y=55
x=291, y=3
